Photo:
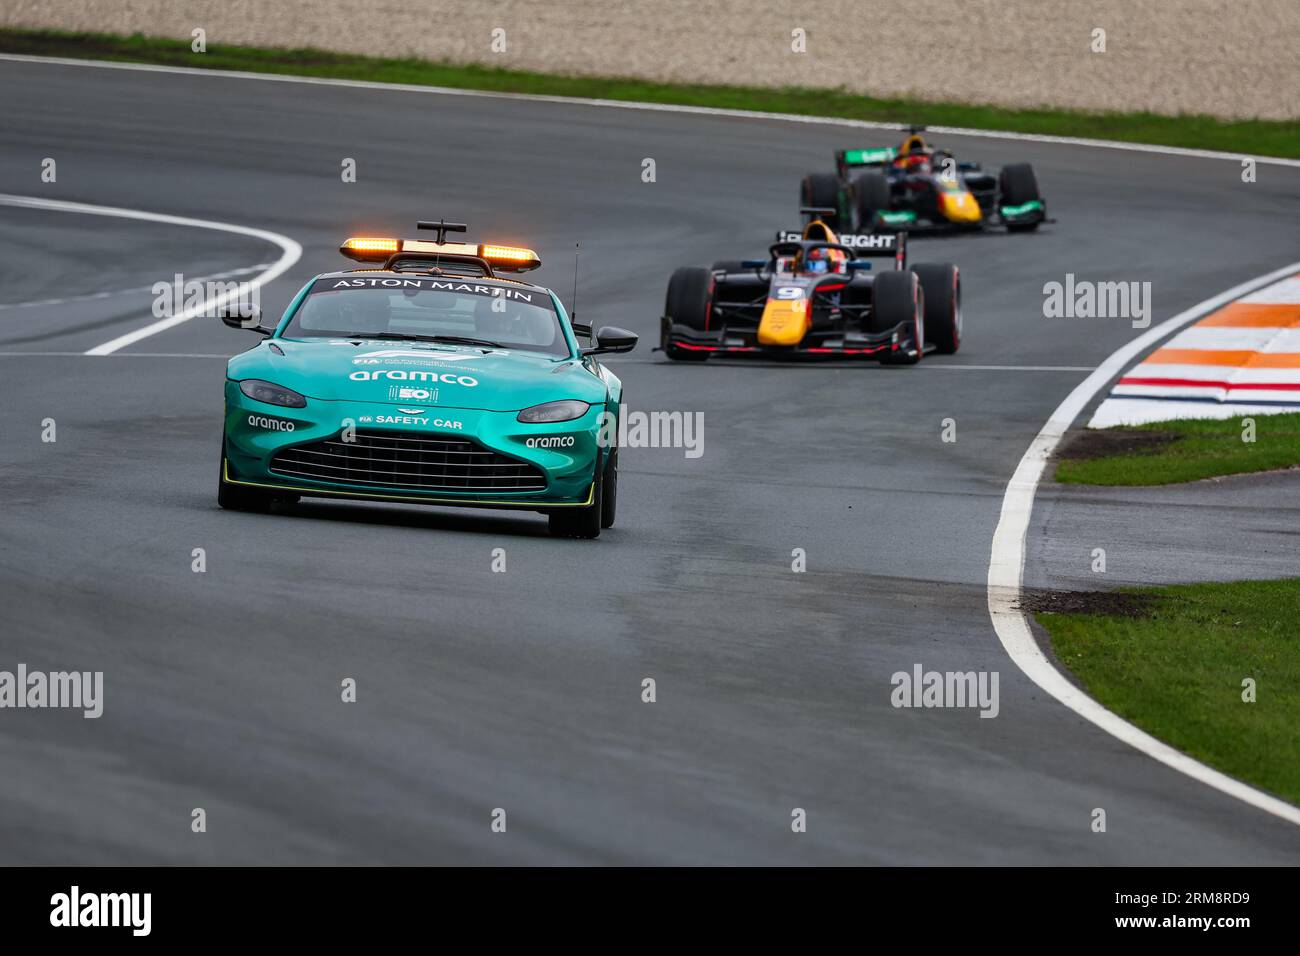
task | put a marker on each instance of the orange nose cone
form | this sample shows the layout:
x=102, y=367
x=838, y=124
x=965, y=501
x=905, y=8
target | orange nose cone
x=783, y=322
x=959, y=207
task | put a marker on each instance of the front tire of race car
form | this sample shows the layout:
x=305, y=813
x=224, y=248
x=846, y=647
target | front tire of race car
x=1019, y=185
x=897, y=299
x=689, y=300
x=870, y=196
x=822, y=190
x=584, y=521
x=941, y=287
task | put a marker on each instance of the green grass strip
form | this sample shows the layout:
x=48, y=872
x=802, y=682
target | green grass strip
x=1198, y=449
x=1176, y=670
x=1258, y=137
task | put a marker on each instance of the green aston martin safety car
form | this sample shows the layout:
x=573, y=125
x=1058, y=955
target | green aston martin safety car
x=426, y=377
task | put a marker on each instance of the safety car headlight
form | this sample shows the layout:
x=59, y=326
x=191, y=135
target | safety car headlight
x=261, y=391
x=564, y=411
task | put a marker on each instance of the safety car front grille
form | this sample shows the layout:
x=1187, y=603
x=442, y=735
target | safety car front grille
x=408, y=461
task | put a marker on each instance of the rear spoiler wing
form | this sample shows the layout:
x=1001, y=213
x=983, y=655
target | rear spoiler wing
x=872, y=245
x=879, y=156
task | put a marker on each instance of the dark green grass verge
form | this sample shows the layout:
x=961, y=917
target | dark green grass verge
x=1260, y=137
x=1169, y=452
x=1175, y=667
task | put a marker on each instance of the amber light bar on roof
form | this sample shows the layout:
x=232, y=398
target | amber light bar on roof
x=505, y=258
x=506, y=253
x=509, y=258
x=365, y=249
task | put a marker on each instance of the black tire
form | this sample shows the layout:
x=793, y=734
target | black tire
x=581, y=522
x=690, y=291
x=941, y=286
x=236, y=497
x=609, y=490
x=730, y=265
x=689, y=300
x=897, y=297
x=1018, y=185
x=821, y=189
x=870, y=196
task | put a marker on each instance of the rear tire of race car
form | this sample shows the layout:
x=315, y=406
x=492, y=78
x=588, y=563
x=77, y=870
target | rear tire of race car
x=237, y=498
x=1019, y=185
x=609, y=490
x=897, y=298
x=688, y=303
x=821, y=189
x=870, y=196
x=941, y=286
x=584, y=521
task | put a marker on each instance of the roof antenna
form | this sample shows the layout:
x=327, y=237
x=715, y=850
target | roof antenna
x=577, y=246
x=442, y=227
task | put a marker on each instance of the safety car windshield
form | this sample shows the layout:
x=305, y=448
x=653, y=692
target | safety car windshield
x=419, y=307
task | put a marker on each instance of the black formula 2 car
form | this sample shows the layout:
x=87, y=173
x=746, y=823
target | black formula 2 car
x=916, y=187
x=816, y=295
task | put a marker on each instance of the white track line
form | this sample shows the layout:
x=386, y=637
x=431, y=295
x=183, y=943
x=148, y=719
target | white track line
x=38, y=303
x=634, y=105
x=927, y=366
x=290, y=253
x=1007, y=563
x=932, y=367
x=196, y=355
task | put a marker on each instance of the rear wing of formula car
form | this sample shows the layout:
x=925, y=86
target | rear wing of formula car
x=872, y=245
x=846, y=159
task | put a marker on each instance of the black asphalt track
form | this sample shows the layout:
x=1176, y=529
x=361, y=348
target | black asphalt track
x=522, y=690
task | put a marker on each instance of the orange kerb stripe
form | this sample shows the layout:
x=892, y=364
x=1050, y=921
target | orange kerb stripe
x=1242, y=315
x=1238, y=359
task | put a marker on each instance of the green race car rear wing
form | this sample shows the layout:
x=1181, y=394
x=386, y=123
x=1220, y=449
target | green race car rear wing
x=866, y=157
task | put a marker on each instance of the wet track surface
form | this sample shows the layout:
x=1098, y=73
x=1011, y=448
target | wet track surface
x=521, y=690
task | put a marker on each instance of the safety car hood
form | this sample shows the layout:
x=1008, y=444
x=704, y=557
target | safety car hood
x=417, y=373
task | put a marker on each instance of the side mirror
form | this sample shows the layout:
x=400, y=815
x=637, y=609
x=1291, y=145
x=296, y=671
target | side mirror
x=240, y=315
x=610, y=339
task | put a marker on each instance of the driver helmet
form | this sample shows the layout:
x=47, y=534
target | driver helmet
x=916, y=163
x=822, y=259
x=913, y=144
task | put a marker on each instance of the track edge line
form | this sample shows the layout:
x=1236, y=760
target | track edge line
x=290, y=253
x=1007, y=565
